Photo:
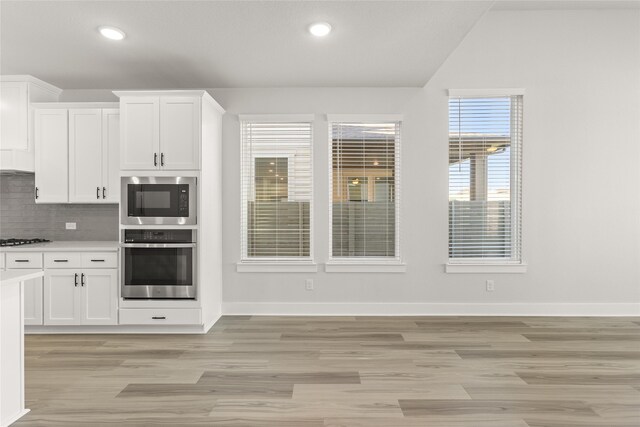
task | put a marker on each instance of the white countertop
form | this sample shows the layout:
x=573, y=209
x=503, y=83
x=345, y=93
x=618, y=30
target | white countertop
x=12, y=276
x=65, y=246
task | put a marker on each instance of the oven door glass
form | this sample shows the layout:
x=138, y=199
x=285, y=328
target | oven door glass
x=158, y=200
x=158, y=267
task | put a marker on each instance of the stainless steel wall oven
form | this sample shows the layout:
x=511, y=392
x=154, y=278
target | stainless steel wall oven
x=159, y=264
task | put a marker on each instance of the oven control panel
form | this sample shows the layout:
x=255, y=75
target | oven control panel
x=159, y=236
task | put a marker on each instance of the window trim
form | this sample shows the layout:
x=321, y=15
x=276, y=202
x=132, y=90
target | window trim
x=278, y=264
x=357, y=264
x=486, y=267
x=490, y=265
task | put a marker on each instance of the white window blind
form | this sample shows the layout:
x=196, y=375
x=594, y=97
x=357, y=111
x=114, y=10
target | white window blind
x=364, y=177
x=276, y=190
x=485, y=162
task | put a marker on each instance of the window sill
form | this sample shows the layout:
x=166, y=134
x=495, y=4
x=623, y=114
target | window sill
x=486, y=268
x=365, y=267
x=276, y=267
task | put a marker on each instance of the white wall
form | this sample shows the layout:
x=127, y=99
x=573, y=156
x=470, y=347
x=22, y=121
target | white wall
x=581, y=72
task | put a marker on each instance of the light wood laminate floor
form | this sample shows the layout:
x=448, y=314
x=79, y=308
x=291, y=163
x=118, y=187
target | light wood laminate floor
x=344, y=371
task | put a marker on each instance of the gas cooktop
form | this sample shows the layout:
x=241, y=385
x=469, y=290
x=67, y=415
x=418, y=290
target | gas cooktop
x=18, y=242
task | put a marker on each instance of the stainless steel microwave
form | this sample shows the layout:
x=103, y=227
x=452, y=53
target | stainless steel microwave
x=158, y=200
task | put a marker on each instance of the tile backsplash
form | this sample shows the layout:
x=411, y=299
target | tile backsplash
x=21, y=217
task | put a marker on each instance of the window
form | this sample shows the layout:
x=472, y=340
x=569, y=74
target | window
x=364, y=180
x=485, y=146
x=276, y=190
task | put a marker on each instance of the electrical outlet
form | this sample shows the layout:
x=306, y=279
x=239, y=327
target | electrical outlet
x=70, y=225
x=491, y=286
x=308, y=284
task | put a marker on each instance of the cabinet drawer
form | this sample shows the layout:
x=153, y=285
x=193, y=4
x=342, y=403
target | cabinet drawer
x=24, y=260
x=160, y=316
x=62, y=260
x=100, y=260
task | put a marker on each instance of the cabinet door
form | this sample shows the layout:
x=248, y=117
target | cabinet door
x=85, y=155
x=14, y=116
x=139, y=133
x=100, y=297
x=111, y=155
x=51, y=168
x=33, y=301
x=180, y=133
x=62, y=297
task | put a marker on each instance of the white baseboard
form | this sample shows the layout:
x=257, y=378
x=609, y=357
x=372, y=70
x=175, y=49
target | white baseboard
x=115, y=329
x=213, y=321
x=16, y=417
x=430, y=309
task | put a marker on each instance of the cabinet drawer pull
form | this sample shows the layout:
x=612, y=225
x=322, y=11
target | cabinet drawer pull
x=158, y=317
x=97, y=260
x=60, y=260
x=22, y=260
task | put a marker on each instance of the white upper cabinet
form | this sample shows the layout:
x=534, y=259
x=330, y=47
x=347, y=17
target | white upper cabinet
x=51, y=168
x=111, y=155
x=89, y=139
x=140, y=133
x=179, y=133
x=14, y=132
x=161, y=130
x=85, y=155
x=16, y=138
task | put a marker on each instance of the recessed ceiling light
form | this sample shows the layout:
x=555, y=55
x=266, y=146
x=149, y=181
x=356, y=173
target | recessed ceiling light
x=112, y=33
x=320, y=29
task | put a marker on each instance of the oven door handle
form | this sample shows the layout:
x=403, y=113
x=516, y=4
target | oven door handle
x=158, y=245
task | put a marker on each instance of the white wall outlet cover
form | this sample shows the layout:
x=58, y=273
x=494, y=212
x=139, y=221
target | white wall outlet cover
x=308, y=284
x=70, y=225
x=491, y=285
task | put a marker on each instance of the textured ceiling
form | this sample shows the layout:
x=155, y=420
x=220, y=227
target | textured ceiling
x=206, y=44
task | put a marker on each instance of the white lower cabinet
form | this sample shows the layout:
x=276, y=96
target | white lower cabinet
x=61, y=297
x=160, y=316
x=33, y=301
x=81, y=296
x=32, y=288
x=99, y=297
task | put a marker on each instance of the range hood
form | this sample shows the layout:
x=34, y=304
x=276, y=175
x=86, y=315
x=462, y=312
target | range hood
x=16, y=120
